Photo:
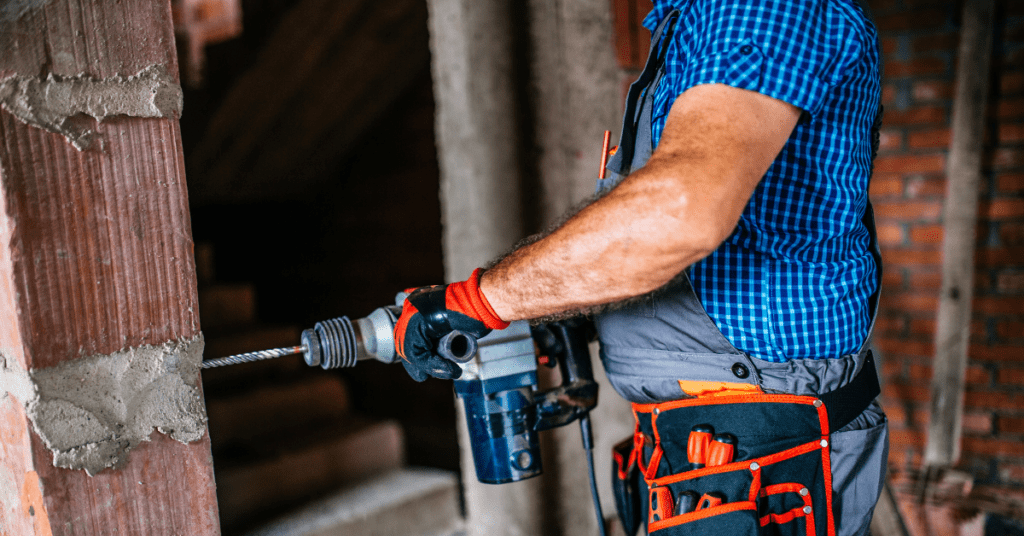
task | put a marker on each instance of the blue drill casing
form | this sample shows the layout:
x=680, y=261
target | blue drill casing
x=504, y=409
x=500, y=416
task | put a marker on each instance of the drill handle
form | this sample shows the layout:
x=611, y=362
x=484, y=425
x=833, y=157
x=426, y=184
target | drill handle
x=567, y=341
x=456, y=346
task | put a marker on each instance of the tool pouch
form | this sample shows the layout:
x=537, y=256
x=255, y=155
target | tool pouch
x=626, y=485
x=778, y=484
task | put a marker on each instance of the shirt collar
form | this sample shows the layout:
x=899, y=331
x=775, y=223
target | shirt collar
x=661, y=9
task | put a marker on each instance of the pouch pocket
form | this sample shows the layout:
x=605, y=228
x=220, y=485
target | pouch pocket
x=784, y=494
x=626, y=485
x=733, y=519
x=780, y=475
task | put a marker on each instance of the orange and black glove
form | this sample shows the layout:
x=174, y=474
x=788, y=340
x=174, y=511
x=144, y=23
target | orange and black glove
x=430, y=313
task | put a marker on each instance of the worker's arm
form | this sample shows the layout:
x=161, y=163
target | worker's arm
x=717, y=143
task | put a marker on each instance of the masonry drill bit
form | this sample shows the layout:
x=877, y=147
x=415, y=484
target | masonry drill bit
x=340, y=342
x=249, y=357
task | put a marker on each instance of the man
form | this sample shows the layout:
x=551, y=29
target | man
x=747, y=235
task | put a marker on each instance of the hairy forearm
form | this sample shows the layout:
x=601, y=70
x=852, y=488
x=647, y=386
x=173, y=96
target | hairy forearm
x=627, y=243
x=717, y=144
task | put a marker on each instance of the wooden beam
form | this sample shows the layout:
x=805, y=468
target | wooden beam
x=960, y=213
x=324, y=78
x=96, y=269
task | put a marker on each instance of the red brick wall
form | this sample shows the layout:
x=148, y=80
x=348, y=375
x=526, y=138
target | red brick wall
x=919, y=41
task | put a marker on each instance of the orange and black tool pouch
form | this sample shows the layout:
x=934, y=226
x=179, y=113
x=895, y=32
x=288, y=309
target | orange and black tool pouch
x=780, y=479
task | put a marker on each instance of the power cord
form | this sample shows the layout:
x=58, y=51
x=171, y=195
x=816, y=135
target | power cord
x=588, y=446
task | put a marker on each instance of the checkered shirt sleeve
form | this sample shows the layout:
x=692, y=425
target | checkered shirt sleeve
x=794, y=278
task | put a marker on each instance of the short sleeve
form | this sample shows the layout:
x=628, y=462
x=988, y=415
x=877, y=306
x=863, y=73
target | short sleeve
x=788, y=50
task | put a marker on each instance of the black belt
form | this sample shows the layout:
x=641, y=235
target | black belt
x=849, y=401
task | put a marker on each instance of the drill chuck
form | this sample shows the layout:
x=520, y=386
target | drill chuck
x=331, y=344
x=340, y=342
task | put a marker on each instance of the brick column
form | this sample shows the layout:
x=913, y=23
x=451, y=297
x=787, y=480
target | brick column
x=919, y=42
x=99, y=327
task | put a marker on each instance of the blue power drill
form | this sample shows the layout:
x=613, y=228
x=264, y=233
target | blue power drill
x=498, y=386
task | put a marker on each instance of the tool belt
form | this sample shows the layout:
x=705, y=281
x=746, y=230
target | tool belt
x=776, y=480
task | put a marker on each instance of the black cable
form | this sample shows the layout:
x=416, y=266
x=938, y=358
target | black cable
x=588, y=446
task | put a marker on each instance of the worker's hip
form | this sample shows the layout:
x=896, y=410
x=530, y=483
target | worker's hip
x=775, y=463
x=643, y=375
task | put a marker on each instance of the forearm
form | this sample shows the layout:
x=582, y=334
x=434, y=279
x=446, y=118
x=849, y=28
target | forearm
x=629, y=242
x=718, y=142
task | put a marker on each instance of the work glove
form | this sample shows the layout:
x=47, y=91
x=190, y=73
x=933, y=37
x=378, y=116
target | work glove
x=430, y=313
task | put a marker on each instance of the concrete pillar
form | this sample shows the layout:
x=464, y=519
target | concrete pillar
x=478, y=149
x=576, y=86
x=477, y=132
x=523, y=99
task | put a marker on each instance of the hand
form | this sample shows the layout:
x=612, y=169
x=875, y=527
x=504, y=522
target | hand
x=430, y=313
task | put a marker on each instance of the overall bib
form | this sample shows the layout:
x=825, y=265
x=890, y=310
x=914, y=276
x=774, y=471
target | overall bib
x=811, y=443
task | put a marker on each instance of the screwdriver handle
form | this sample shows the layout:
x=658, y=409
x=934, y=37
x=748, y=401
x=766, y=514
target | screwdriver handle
x=697, y=445
x=686, y=502
x=710, y=499
x=661, y=504
x=722, y=449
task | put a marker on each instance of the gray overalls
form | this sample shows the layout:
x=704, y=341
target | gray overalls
x=648, y=347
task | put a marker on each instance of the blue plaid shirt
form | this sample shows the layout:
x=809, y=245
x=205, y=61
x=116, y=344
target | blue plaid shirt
x=793, y=280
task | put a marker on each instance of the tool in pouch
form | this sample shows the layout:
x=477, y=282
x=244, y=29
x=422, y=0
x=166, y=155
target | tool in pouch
x=771, y=473
x=704, y=448
x=498, y=386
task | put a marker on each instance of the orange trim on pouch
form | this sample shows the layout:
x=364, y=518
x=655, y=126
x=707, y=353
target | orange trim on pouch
x=826, y=467
x=701, y=514
x=724, y=399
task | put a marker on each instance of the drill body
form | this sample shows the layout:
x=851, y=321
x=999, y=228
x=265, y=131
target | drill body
x=504, y=408
x=498, y=386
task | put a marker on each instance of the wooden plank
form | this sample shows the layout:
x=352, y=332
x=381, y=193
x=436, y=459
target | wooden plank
x=372, y=69
x=250, y=107
x=95, y=257
x=304, y=465
x=960, y=213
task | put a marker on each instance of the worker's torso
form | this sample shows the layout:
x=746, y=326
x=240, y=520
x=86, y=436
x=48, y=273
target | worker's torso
x=793, y=284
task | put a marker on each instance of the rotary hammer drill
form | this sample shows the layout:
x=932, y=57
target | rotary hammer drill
x=498, y=387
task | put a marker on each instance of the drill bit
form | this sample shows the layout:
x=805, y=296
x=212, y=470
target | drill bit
x=253, y=356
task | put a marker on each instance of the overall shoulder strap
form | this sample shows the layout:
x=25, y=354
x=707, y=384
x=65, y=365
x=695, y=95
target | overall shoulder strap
x=621, y=162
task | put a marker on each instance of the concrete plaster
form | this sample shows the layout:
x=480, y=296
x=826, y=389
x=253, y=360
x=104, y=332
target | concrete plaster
x=92, y=412
x=56, y=103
